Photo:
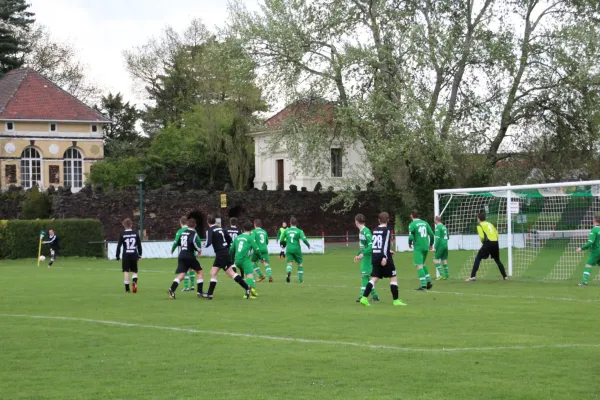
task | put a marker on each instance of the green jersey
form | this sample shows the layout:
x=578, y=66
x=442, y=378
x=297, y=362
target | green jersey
x=178, y=237
x=292, y=236
x=240, y=249
x=593, y=240
x=441, y=236
x=281, y=234
x=420, y=235
x=366, y=242
x=261, y=238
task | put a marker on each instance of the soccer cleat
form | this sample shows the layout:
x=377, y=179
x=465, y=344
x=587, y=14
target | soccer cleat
x=250, y=296
x=505, y=278
x=429, y=285
x=185, y=289
x=421, y=289
x=470, y=279
x=134, y=287
x=202, y=295
x=582, y=284
x=262, y=278
x=288, y=277
x=399, y=303
x=440, y=278
x=270, y=279
x=375, y=298
x=253, y=292
x=171, y=294
x=365, y=302
x=358, y=300
x=208, y=297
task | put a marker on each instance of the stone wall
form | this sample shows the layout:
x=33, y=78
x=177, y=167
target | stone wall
x=163, y=208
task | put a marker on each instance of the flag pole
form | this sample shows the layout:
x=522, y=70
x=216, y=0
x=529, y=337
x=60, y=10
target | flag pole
x=40, y=248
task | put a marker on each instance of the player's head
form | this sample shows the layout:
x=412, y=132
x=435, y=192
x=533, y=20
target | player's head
x=191, y=223
x=51, y=232
x=384, y=218
x=359, y=220
x=211, y=219
x=127, y=224
x=414, y=214
x=257, y=223
x=481, y=217
x=293, y=221
x=597, y=220
x=233, y=221
x=247, y=226
x=284, y=224
x=438, y=219
x=183, y=221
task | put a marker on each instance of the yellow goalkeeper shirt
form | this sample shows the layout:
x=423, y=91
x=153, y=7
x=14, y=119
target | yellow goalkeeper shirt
x=487, y=232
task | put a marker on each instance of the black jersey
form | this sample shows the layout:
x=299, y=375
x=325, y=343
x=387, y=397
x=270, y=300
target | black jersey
x=53, y=242
x=189, y=243
x=132, y=245
x=233, y=232
x=382, y=240
x=218, y=238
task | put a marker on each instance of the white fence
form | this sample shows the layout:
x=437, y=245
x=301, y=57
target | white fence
x=162, y=249
x=467, y=242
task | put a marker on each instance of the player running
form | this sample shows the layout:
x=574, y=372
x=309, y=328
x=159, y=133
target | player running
x=292, y=238
x=240, y=252
x=220, y=241
x=233, y=231
x=441, y=249
x=188, y=282
x=421, y=237
x=261, y=238
x=191, y=247
x=54, y=246
x=365, y=255
x=132, y=252
x=382, y=261
x=594, y=257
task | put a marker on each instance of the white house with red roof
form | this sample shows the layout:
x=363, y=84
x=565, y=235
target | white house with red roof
x=47, y=136
x=273, y=165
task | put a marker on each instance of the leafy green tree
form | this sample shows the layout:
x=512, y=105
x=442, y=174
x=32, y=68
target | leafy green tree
x=15, y=20
x=36, y=205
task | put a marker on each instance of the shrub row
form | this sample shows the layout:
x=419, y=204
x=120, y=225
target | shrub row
x=20, y=238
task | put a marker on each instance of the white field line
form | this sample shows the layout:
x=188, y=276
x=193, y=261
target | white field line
x=311, y=341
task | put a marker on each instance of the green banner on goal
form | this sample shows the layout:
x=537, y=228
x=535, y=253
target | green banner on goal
x=569, y=191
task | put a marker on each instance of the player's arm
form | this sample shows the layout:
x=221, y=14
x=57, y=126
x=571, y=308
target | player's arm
x=369, y=247
x=480, y=233
x=176, y=241
x=304, y=239
x=198, y=244
x=139, y=244
x=411, y=235
x=119, y=245
x=437, y=237
x=431, y=235
x=209, y=235
x=591, y=240
x=232, y=248
x=50, y=241
x=254, y=245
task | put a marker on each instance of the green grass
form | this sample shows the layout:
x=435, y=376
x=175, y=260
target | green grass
x=506, y=336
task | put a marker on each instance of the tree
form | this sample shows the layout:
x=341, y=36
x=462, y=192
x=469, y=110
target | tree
x=123, y=116
x=15, y=21
x=58, y=62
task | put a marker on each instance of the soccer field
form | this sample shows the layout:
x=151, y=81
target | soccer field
x=70, y=332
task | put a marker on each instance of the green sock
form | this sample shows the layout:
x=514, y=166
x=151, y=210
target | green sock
x=374, y=293
x=586, y=274
x=268, y=269
x=186, y=282
x=427, y=276
x=258, y=271
x=365, y=281
x=438, y=266
x=288, y=269
x=192, y=279
x=446, y=273
x=421, y=272
x=300, y=273
x=250, y=282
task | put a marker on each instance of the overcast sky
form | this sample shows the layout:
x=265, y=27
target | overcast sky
x=101, y=30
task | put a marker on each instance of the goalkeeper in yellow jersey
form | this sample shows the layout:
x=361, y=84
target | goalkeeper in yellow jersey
x=489, y=247
x=593, y=243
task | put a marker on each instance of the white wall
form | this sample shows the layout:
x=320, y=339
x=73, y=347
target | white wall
x=265, y=167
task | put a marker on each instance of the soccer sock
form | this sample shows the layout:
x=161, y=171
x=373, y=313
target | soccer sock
x=365, y=281
x=268, y=270
x=374, y=293
x=288, y=269
x=135, y=278
x=186, y=282
x=250, y=282
x=175, y=284
x=427, y=276
x=422, y=278
x=586, y=274
x=446, y=272
x=258, y=271
x=394, y=289
x=241, y=282
x=192, y=279
x=200, y=284
x=300, y=273
x=126, y=286
x=211, y=287
x=369, y=288
x=51, y=261
x=438, y=266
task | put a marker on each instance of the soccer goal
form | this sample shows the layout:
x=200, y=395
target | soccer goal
x=540, y=226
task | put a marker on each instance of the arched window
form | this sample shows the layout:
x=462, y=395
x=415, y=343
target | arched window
x=73, y=168
x=31, y=168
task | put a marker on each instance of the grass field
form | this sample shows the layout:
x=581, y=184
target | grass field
x=70, y=332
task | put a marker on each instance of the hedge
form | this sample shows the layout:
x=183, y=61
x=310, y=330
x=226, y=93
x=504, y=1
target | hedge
x=20, y=238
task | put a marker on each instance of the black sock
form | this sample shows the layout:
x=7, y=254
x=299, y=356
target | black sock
x=127, y=287
x=368, y=289
x=394, y=289
x=211, y=287
x=174, y=285
x=241, y=282
x=135, y=279
x=200, y=285
x=51, y=262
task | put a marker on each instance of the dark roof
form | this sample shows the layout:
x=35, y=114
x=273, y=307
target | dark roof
x=316, y=110
x=27, y=95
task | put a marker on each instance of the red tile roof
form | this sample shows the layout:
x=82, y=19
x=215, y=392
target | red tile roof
x=27, y=95
x=315, y=110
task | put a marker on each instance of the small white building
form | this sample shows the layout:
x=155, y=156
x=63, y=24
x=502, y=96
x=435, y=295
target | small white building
x=273, y=165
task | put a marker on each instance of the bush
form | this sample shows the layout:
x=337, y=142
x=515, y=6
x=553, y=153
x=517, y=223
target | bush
x=20, y=239
x=36, y=205
x=318, y=187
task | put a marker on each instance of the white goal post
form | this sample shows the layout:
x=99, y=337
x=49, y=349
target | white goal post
x=540, y=226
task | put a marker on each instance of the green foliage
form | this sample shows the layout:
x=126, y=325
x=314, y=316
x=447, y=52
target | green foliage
x=21, y=238
x=15, y=21
x=36, y=205
x=120, y=173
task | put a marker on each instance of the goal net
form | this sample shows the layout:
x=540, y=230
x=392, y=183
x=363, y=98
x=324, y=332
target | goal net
x=540, y=227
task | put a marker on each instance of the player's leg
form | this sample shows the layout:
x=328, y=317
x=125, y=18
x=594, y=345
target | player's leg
x=213, y=282
x=395, y=292
x=364, y=300
x=183, y=266
x=199, y=274
x=418, y=262
x=186, y=282
x=444, y=258
x=231, y=272
x=126, y=278
x=366, y=268
x=593, y=259
x=290, y=259
x=265, y=258
x=52, y=257
x=495, y=253
x=134, y=277
x=482, y=254
x=250, y=281
x=193, y=278
x=300, y=262
x=426, y=268
x=256, y=258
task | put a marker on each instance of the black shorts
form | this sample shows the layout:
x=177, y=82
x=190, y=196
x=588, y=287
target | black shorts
x=222, y=260
x=387, y=271
x=185, y=264
x=489, y=249
x=129, y=265
x=284, y=244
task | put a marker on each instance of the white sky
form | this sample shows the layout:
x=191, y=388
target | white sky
x=101, y=30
